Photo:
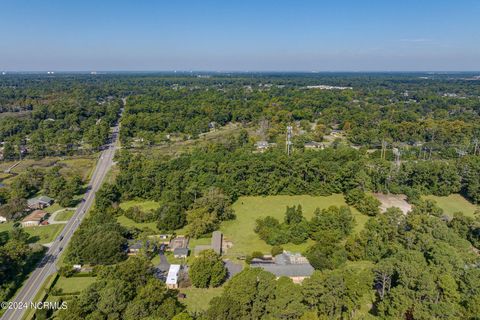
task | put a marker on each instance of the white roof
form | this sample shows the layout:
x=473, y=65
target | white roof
x=172, y=276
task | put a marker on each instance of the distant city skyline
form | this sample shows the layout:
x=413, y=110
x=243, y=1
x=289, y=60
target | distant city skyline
x=240, y=36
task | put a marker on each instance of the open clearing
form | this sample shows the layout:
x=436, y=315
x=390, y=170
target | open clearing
x=144, y=205
x=64, y=215
x=393, y=200
x=248, y=209
x=45, y=234
x=81, y=166
x=40, y=234
x=198, y=299
x=454, y=203
x=73, y=284
x=129, y=223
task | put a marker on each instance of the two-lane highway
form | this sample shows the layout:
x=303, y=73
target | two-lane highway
x=48, y=264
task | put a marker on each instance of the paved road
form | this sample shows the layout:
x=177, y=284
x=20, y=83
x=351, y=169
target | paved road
x=48, y=264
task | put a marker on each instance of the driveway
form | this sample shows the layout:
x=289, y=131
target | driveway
x=161, y=270
x=51, y=219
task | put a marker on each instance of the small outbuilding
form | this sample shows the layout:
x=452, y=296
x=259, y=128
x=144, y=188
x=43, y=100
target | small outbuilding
x=217, y=241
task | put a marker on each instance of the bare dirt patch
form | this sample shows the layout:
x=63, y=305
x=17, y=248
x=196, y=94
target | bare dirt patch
x=393, y=200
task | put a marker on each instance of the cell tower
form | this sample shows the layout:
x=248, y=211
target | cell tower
x=288, y=141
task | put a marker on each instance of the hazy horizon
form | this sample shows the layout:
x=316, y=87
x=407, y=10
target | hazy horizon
x=267, y=36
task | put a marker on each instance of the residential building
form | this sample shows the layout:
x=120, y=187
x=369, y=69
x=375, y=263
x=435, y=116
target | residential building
x=39, y=202
x=287, y=264
x=34, y=219
x=3, y=219
x=172, y=277
x=134, y=247
x=180, y=252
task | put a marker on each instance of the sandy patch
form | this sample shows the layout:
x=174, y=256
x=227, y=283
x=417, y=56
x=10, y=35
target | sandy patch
x=393, y=200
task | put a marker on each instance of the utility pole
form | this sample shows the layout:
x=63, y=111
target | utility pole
x=288, y=141
x=475, y=148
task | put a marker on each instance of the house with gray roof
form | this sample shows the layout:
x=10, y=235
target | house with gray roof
x=180, y=252
x=217, y=241
x=39, y=202
x=287, y=264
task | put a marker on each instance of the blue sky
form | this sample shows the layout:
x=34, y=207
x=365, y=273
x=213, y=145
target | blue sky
x=228, y=35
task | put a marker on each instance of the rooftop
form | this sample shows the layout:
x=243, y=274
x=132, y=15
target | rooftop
x=287, y=264
x=36, y=215
x=40, y=199
x=180, y=251
x=172, y=276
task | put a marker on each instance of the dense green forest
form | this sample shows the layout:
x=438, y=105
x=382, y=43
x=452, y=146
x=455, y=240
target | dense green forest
x=414, y=134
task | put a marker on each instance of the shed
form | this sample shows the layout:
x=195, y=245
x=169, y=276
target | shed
x=217, y=240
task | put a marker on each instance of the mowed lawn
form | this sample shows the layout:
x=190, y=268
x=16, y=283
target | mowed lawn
x=247, y=209
x=40, y=234
x=45, y=234
x=64, y=215
x=198, y=299
x=74, y=284
x=454, y=203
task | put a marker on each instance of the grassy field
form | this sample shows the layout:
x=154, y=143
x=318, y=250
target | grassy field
x=126, y=222
x=73, y=284
x=179, y=146
x=6, y=226
x=198, y=299
x=248, y=209
x=45, y=234
x=112, y=174
x=73, y=165
x=54, y=207
x=64, y=215
x=41, y=234
x=82, y=166
x=144, y=205
x=454, y=203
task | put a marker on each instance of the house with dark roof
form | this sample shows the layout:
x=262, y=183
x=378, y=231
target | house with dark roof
x=217, y=241
x=180, y=252
x=135, y=246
